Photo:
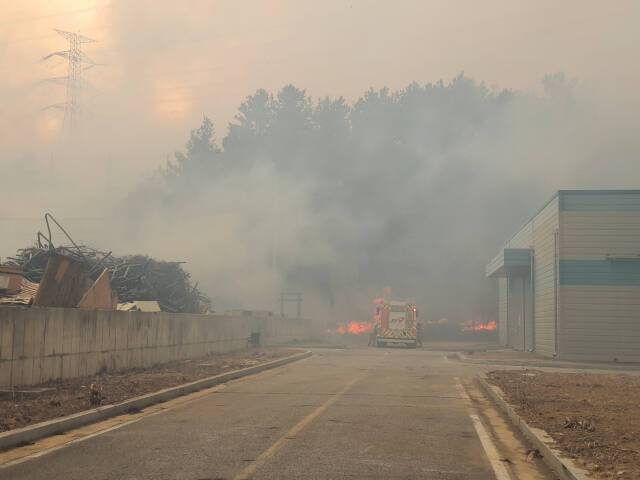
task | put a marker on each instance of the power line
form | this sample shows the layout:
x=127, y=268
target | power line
x=73, y=81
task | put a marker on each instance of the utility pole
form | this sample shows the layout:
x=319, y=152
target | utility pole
x=77, y=60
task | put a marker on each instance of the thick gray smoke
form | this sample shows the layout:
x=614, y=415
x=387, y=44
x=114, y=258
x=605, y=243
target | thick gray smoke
x=414, y=189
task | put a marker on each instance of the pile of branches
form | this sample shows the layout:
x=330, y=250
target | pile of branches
x=133, y=277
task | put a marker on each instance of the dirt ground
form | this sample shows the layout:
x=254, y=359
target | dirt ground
x=62, y=398
x=594, y=418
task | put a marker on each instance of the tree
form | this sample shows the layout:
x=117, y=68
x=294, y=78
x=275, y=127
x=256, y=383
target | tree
x=253, y=121
x=200, y=159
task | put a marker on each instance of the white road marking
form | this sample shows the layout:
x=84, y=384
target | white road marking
x=265, y=456
x=461, y=390
x=490, y=449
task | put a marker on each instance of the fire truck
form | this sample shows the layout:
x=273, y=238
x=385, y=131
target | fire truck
x=395, y=323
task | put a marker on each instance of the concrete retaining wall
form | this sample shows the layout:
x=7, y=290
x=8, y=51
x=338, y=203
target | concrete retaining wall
x=42, y=344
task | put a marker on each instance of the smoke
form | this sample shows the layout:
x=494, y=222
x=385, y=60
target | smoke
x=415, y=187
x=235, y=237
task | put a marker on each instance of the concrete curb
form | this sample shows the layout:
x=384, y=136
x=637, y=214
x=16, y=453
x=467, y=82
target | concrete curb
x=558, y=364
x=565, y=468
x=22, y=436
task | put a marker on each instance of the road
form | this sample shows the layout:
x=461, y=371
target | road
x=356, y=414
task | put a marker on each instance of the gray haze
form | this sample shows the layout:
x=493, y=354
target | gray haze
x=414, y=188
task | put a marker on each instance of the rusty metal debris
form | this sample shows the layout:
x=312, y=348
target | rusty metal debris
x=132, y=277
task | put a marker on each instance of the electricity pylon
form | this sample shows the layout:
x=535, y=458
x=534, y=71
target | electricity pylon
x=78, y=62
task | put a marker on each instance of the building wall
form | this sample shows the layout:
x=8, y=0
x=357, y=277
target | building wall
x=545, y=277
x=511, y=295
x=42, y=344
x=517, y=316
x=600, y=275
x=538, y=234
x=502, y=311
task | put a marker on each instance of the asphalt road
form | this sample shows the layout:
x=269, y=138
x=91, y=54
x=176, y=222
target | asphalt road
x=356, y=414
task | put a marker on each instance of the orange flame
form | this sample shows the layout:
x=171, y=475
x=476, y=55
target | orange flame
x=354, y=328
x=474, y=326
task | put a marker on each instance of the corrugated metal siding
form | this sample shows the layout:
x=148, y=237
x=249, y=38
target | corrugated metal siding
x=524, y=237
x=600, y=299
x=529, y=318
x=495, y=264
x=545, y=225
x=594, y=235
x=516, y=313
x=502, y=310
x=600, y=323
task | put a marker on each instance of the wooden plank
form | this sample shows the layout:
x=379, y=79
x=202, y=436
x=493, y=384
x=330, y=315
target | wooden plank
x=100, y=295
x=63, y=284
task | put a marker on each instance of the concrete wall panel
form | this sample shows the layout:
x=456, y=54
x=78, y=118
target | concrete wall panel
x=41, y=344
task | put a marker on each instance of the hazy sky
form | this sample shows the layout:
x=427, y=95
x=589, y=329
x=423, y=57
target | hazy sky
x=168, y=62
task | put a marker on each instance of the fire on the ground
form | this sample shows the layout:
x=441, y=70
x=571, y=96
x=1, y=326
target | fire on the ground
x=354, y=328
x=478, y=326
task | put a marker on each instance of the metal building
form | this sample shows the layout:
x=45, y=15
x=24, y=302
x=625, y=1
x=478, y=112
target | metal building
x=569, y=280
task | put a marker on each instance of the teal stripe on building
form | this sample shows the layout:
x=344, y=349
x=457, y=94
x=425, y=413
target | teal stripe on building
x=517, y=257
x=600, y=201
x=600, y=272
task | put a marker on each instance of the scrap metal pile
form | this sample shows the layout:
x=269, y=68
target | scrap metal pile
x=132, y=277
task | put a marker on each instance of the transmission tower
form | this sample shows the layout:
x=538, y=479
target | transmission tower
x=78, y=62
